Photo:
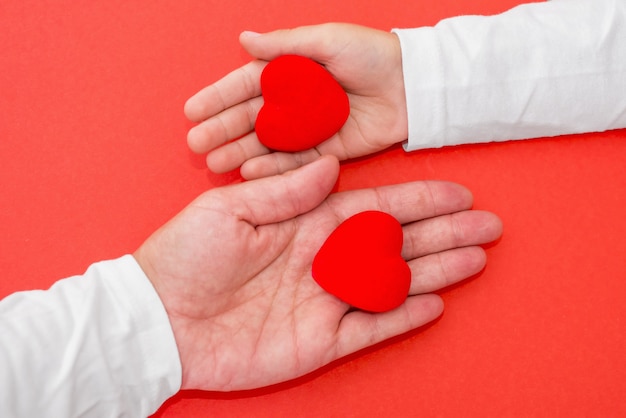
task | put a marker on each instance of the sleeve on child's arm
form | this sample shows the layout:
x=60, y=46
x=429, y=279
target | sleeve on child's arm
x=93, y=345
x=540, y=69
x=424, y=87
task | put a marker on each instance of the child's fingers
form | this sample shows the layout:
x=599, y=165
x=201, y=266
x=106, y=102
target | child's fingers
x=229, y=124
x=232, y=155
x=276, y=163
x=236, y=87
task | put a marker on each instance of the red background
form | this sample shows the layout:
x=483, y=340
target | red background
x=92, y=143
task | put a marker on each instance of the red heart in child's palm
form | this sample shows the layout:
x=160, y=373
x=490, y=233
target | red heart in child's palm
x=361, y=263
x=304, y=105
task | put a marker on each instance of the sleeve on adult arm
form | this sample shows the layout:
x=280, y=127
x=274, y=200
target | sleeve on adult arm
x=93, y=345
x=540, y=69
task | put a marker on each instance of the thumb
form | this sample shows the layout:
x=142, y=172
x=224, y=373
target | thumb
x=318, y=42
x=285, y=196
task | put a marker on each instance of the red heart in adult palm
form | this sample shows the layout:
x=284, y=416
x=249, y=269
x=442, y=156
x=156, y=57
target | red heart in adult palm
x=303, y=104
x=361, y=263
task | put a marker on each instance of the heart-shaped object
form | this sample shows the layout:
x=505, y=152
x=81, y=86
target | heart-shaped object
x=361, y=263
x=303, y=104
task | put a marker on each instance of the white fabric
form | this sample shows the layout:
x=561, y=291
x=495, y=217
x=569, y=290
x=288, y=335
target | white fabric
x=97, y=345
x=540, y=69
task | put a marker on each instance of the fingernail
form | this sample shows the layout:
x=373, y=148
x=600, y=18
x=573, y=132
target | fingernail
x=250, y=34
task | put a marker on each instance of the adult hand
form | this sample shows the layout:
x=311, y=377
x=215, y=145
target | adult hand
x=366, y=62
x=233, y=270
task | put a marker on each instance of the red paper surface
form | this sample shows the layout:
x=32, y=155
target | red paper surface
x=94, y=158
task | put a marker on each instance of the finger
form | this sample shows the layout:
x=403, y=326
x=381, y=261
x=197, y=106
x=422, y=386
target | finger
x=236, y=87
x=278, y=198
x=279, y=162
x=460, y=229
x=359, y=329
x=232, y=123
x=234, y=154
x=318, y=42
x=276, y=163
x=407, y=202
x=437, y=271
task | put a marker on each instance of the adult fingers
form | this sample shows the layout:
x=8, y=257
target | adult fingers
x=437, y=271
x=359, y=329
x=407, y=202
x=441, y=233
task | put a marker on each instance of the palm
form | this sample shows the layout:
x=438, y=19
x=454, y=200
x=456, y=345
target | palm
x=233, y=271
x=269, y=321
x=368, y=130
x=276, y=323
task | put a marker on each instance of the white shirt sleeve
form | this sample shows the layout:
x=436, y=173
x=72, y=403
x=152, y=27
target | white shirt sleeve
x=94, y=345
x=540, y=69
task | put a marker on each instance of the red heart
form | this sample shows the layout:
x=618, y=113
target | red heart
x=361, y=264
x=304, y=105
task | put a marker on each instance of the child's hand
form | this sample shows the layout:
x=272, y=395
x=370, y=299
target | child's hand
x=366, y=62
